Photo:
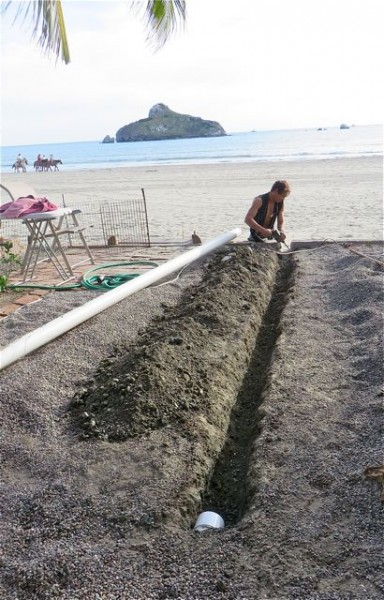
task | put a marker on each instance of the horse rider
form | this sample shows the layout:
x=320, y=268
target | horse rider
x=20, y=163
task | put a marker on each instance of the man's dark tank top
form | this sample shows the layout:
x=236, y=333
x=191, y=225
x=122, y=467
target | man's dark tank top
x=262, y=212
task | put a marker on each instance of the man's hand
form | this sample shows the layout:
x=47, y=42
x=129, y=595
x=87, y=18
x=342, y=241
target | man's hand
x=283, y=236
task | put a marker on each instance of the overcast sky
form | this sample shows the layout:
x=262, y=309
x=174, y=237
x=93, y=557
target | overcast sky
x=249, y=64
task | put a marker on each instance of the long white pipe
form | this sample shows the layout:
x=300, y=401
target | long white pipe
x=41, y=336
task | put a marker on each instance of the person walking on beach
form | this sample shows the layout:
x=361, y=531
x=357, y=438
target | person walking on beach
x=264, y=211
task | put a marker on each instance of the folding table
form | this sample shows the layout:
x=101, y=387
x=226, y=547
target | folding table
x=45, y=229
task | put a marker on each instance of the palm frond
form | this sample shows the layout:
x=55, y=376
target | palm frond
x=162, y=19
x=48, y=25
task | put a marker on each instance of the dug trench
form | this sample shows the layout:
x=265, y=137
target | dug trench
x=191, y=386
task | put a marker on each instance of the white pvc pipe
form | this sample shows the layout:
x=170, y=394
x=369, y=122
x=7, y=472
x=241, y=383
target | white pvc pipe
x=41, y=336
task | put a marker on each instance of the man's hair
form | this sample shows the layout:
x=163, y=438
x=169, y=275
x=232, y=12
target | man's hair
x=281, y=186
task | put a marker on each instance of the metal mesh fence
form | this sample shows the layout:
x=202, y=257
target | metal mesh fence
x=116, y=223
x=110, y=224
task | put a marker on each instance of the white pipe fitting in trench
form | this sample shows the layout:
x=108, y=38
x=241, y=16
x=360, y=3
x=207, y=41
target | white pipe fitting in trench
x=41, y=336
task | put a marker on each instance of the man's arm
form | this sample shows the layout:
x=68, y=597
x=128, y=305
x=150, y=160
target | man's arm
x=280, y=223
x=250, y=221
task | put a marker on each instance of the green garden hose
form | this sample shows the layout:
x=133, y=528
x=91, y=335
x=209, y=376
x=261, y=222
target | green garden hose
x=92, y=281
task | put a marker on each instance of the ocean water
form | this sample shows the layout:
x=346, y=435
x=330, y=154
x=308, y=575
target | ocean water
x=284, y=145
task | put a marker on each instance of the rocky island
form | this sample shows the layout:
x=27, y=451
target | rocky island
x=163, y=123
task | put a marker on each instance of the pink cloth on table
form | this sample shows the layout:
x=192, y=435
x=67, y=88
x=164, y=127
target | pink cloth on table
x=25, y=206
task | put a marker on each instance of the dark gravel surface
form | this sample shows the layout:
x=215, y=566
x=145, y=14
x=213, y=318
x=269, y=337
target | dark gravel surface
x=251, y=386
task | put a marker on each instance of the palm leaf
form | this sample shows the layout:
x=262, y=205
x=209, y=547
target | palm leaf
x=48, y=25
x=162, y=19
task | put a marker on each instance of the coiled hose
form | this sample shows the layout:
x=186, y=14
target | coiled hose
x=91, y=281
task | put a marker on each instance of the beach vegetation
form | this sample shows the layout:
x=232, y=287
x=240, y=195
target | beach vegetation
x=9, y=261
x=161, y=17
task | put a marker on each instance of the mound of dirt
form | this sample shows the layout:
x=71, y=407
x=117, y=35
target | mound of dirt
x=188, y=362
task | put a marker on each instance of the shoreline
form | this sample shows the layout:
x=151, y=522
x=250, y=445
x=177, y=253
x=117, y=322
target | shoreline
x=221, y=163
x=190, y=163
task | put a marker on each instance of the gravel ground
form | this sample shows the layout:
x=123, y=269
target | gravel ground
x=251, y=386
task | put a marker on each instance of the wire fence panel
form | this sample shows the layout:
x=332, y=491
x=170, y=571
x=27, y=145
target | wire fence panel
x=110, y=224
x=116, y=223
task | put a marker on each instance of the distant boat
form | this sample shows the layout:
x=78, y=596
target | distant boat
x=344, y=126
x=321, y=129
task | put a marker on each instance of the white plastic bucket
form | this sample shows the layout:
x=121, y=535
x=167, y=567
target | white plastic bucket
x=208, y=520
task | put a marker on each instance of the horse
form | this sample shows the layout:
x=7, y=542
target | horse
x=41, y=165
x=54, y=163
x=46, y=164
x=20, y=165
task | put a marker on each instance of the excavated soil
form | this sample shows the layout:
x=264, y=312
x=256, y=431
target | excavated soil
x=189, y=363
x=186, y=372
x=256, y=393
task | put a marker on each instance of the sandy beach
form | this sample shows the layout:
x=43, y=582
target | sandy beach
x=327, y=201
x=250, y=385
